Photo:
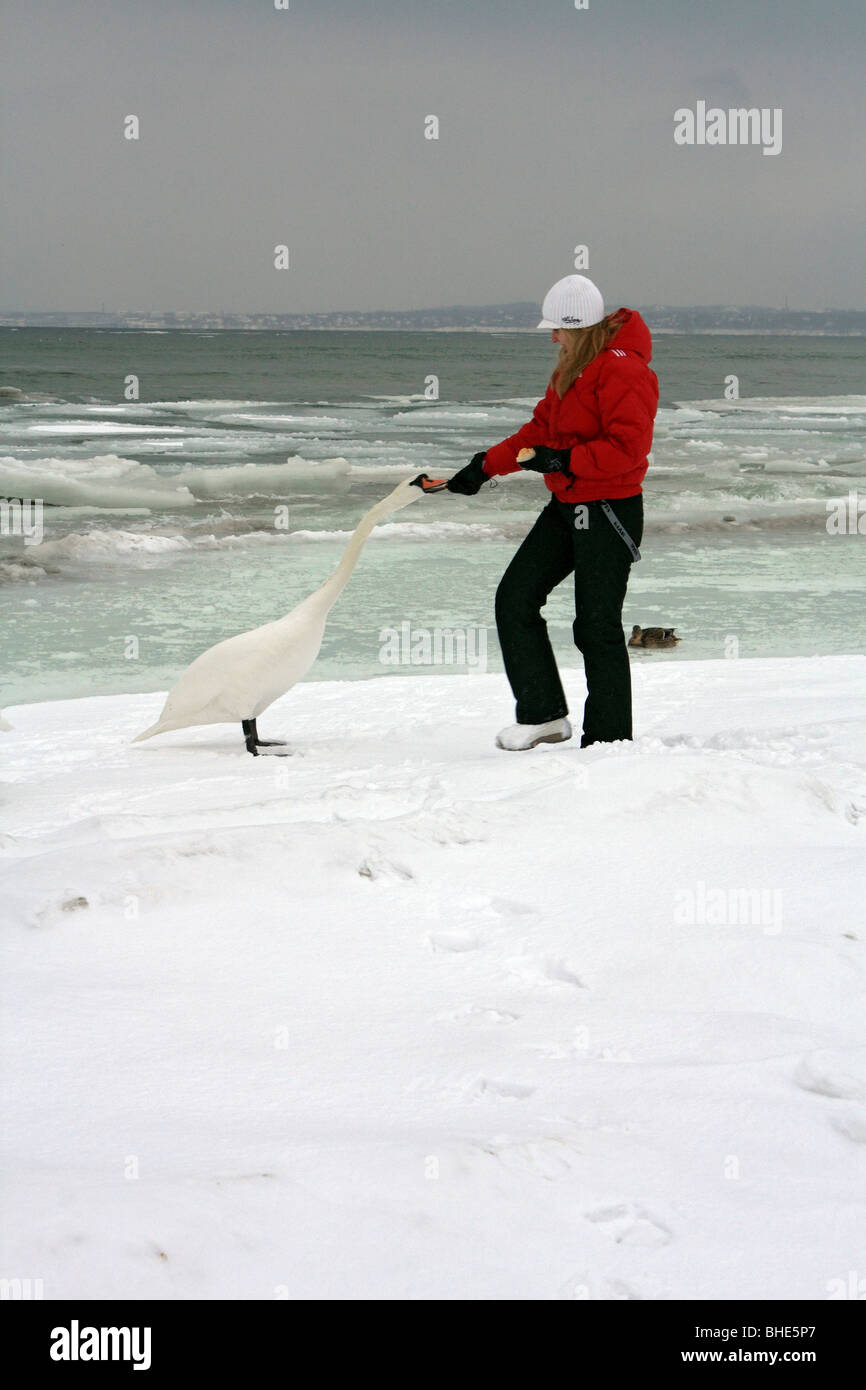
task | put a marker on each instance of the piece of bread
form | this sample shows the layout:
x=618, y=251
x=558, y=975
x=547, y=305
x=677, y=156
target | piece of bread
x=525, y=454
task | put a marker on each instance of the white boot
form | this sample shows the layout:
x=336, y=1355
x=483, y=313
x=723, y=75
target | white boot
x=518, y=736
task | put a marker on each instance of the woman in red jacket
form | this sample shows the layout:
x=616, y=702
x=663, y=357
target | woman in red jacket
x=591, y=435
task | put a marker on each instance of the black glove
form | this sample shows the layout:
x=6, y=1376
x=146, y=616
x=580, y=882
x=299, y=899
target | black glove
x=470, y=479
x=548, y=460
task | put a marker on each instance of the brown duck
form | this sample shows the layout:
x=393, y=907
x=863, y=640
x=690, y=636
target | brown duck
x=653, y=637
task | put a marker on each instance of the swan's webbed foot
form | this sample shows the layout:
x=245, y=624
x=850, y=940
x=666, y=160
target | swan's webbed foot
x=262, y=747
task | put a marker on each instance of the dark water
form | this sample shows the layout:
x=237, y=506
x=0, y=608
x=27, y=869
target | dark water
x=79, y=364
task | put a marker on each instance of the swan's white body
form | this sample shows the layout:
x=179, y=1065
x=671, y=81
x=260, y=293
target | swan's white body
x=237, y=679
x=4, y=725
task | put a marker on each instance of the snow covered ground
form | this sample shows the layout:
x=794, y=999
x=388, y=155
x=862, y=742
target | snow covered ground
x=405, y=1016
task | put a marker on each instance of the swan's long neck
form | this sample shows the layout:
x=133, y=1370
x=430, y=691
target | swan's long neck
x=328, y=593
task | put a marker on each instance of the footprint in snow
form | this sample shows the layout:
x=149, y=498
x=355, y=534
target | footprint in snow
x=374, y=867
x=582, y=1287
x=497, y=906
x=579, y=1051
x=455, y=942
x=562, y=973
x=837, y=1074
x=487, y=1089
x=552, y=968
x=852, y=1123
x=507, y=907
x=71, y=902
x=549, y=1157
x=479, y=1014
x=475, y=1089
x=444, y=827
x=628, y=1224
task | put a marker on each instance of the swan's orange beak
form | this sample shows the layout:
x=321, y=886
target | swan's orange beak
x=429, y=484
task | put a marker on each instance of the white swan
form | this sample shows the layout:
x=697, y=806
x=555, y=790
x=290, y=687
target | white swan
x=238, y=678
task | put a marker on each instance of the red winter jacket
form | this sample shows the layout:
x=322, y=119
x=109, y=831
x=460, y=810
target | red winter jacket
x=605, y=417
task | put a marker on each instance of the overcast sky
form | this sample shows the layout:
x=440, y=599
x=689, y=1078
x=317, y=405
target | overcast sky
x=306, y=127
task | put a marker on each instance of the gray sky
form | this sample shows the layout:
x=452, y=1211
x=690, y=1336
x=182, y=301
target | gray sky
x=261, y=127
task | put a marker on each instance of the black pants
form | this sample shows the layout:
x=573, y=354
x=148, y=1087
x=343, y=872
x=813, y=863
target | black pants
x=600, y=561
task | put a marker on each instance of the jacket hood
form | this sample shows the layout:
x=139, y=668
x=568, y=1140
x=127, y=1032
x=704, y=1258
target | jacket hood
x=633, y=336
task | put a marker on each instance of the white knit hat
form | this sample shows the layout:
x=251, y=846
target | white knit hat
x=574, y=302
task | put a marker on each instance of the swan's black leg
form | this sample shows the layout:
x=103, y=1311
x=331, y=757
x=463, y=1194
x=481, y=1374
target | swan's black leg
x=252, y=740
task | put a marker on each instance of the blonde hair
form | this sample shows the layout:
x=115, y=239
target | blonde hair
x=581, y=345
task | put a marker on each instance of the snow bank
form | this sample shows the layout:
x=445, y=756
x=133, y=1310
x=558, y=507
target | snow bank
x=115, y=547
x=106, y=480
x=405, y=1016
x=70, y=554
x=110, y=481
x=421, y=531
x=261, y=479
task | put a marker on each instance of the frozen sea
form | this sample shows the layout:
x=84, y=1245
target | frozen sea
x=227, y=490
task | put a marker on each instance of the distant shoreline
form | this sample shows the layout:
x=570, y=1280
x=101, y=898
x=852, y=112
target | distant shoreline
x=519, y=316
x=718, y=332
